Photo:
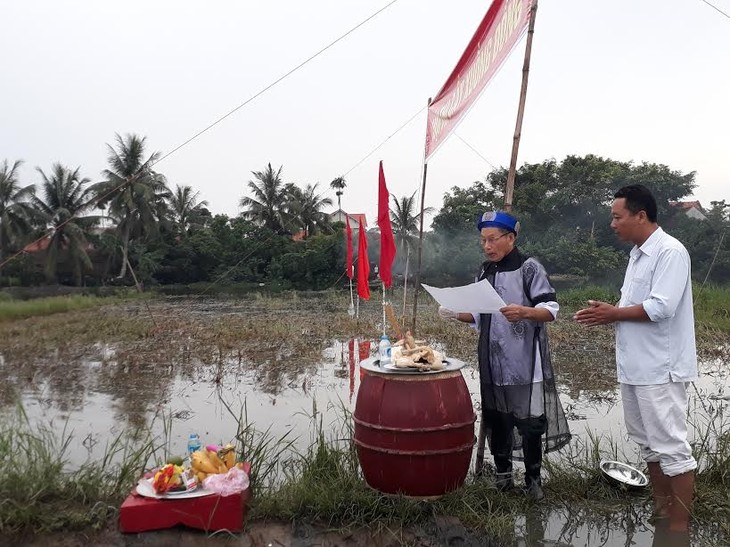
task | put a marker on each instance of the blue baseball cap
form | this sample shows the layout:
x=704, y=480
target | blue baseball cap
x=498, y=219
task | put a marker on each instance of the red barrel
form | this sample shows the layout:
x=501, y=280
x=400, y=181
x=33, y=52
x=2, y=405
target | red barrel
x=414, y=433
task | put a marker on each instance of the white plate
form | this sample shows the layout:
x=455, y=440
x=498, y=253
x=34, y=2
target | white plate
x=145, y=488
x=179, y=492
x=410, y=370
x=372, y=364
x=391, y=366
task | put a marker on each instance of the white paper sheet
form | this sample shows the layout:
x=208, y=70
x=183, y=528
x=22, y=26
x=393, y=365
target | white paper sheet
x=477, y=297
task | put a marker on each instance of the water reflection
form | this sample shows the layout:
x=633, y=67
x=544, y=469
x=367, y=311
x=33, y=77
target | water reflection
x=103, y=389
x=573, y=528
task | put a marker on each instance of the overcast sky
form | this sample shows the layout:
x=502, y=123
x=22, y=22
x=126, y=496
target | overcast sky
x=631, y=80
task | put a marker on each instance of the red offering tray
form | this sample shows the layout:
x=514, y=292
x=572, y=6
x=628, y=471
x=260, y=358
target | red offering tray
x=208, y=513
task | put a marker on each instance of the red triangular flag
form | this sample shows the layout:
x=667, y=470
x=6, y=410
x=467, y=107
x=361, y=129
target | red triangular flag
x=348, y=231
x=387, y=243
x=363, y=265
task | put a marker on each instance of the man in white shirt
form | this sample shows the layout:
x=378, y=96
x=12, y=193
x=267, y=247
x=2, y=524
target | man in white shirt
x=655, y=349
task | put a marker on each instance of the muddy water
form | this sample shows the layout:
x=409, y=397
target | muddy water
x=101, y=391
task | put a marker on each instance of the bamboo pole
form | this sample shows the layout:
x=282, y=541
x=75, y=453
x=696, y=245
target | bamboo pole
x=417, y=283
x=351, y=309
x=383, y=284
x=509, y=190
x=405, y=279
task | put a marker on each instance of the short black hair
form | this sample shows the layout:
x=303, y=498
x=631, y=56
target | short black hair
x=638, y=198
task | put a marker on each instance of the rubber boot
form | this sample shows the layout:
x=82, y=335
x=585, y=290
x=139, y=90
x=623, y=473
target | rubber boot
x=660, y=489
x=682, y=487
x=501, y=445
x=532, y=449
x=503, y=477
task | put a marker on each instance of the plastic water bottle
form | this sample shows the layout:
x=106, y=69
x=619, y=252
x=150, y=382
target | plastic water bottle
x=384, y=350
x=194, y=443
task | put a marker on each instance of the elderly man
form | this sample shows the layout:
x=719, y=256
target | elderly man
x=655, y=349
x=520, y=404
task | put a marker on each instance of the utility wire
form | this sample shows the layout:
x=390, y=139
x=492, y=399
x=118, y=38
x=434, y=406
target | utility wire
x=383, y=142
x=272, y=84
x=225, y=274
x=713, y=6
x=475, y=151
x=145, y=169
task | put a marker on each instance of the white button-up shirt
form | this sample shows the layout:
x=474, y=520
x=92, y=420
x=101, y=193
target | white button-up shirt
x=663, y=349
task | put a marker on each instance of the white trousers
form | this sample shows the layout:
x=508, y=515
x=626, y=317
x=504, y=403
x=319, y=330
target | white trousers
x=656, y=420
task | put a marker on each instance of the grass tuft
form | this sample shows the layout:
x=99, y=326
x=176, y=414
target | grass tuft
x=39, y=492
x=21, y=309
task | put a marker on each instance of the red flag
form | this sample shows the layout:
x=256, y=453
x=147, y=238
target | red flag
x=387, y=243
x=348, y=231
x=363, y=353
x=363, y=266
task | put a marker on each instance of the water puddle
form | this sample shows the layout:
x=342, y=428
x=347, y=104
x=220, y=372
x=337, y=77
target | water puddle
x=100, y=391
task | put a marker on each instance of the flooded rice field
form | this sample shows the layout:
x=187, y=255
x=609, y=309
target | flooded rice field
x=197, y=364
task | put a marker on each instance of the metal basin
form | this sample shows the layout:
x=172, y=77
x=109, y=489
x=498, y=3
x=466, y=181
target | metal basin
x=623, y=473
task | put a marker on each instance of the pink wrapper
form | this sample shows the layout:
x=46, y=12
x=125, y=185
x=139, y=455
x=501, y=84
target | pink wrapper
x=235, y=480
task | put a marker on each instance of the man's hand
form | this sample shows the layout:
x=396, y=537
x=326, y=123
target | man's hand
x=515, y=312
x=446, y=313
x=597, y=313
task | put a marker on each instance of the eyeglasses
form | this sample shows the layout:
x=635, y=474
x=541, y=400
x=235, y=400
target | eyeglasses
x=492, y=240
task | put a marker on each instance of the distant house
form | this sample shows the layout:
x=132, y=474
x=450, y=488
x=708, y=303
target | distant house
x=41, y=244
x=693, y=209
x=38, y=245
x=355, y=219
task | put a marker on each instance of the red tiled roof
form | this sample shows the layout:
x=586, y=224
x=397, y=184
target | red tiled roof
x=686, y=205
x=357, y=218
x=39, y=245
x=42, y=245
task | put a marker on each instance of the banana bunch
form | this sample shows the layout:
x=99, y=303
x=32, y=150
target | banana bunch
x=211, y=460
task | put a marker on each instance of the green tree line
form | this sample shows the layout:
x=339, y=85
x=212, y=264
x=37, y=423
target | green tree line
x=132, y=226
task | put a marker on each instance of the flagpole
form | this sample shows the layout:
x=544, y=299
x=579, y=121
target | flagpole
x=383, y=284
x=417, y=283
x=351, y=309
x=509, y=191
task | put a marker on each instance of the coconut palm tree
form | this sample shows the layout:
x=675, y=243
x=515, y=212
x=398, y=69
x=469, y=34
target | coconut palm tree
x=406, y=226
x=134, y=194
x=338, y=185
x=267, y=206
x=15, y=208
x=185, y=208
x=305, y=209
x=63, y=200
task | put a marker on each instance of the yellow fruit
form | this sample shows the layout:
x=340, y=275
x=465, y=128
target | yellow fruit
x=217, y=462
x=201, y=462
x=230, y=458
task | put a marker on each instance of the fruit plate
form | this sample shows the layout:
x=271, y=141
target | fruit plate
x=144, y=488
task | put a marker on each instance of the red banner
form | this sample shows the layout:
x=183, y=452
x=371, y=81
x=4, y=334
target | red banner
x=348, y=233
x=497, y=35
x=387, y=243
x=363, y=265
